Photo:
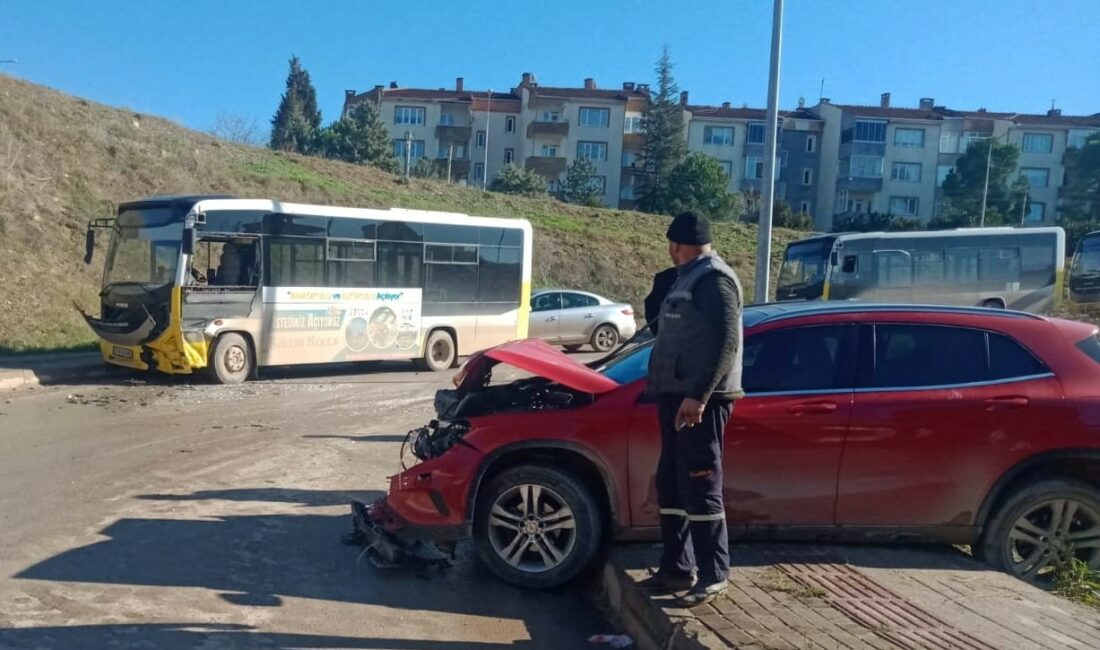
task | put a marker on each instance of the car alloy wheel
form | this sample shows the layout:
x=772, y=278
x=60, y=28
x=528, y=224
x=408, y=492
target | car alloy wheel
x=605, y=338
x=1049, y=535
x=532, y=528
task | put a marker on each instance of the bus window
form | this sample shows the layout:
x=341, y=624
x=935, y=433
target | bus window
x=851, y=264
x=500, y=274
x=295, y=263
x=893, y=268
x=400, y=265
x=1000, y=264
x=928, y=267
x=962, y=265
x=450, y=273
x=351, y=263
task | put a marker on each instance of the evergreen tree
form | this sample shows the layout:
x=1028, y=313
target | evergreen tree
x=964, y=186
x=1080, y=209
x=297, y=120
x=360, y=138
x=581, y=184
x=518, y=180
x=665, y=146
x=698, y=183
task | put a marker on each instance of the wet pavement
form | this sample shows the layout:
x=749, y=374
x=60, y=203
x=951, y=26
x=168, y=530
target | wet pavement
x=140, y=513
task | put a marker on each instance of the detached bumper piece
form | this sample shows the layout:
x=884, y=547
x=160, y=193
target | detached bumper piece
x=385, y=548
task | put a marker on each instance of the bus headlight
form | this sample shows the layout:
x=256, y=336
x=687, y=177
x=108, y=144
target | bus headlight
x=194, y=336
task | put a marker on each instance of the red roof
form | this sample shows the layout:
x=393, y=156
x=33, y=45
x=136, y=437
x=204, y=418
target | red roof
x=901, y=113
x=743, y=113
x=501, y=102
x=585, y=93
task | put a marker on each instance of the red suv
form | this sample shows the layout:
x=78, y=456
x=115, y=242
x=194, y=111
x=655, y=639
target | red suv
x=861, y=423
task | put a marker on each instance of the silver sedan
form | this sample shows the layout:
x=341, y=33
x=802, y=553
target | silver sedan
x=577, y=318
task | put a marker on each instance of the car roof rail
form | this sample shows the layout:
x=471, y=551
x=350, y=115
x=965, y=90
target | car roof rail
x=810, y=309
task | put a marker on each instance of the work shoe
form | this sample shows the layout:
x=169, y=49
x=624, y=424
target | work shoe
x=701, y=594
x=664, y=583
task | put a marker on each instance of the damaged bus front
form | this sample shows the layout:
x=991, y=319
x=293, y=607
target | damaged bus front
x=140, y=325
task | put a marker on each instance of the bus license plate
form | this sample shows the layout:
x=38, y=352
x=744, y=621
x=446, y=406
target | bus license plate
x=122, y=353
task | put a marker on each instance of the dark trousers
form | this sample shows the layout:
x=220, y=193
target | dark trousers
x=689, y=492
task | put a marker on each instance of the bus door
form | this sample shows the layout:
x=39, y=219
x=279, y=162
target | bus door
x=222, y=279
x=893, y=276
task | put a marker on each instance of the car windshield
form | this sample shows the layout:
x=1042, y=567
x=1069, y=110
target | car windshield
x=145, y=248
x=629, y=366
x=804, y=263
x=1087, y=260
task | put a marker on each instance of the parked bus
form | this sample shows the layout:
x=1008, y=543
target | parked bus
x=1011, y=268
x=231, y=285
x=1084, y=272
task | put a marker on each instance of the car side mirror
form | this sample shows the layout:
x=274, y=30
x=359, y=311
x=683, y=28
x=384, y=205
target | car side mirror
x=190, y=238
x=89, y=245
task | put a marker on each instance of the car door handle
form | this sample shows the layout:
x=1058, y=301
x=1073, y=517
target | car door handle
x=588, y=315
x=551, y=319
x=813, y=407
x=1008, y=402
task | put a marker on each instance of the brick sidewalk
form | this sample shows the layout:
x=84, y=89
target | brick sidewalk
x=791, y=597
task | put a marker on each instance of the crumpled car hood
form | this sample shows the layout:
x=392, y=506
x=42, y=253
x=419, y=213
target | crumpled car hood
x=536, y=357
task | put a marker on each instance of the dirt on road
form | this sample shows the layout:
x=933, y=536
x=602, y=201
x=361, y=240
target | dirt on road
x=160, y=514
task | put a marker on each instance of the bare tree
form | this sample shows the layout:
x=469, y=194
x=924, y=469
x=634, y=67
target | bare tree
x=238, y=128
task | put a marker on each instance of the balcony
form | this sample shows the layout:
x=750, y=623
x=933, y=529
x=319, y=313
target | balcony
x=859, y=184
x=550, y=167
x=454, y=133
x=557, y=129
x=633, y=141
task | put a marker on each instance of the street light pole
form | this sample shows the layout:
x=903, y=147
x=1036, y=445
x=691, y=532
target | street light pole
x=764, y=233
x=408, y=154
x=985, y=189
x=485, y=165
x=450, y=159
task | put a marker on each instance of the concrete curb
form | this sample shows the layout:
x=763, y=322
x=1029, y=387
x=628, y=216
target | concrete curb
x=42, y=370
x=651, y=626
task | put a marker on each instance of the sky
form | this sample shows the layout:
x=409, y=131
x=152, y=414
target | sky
x=191, y=61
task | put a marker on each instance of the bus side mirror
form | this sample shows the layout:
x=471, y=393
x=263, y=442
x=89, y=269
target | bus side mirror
x=89, y=245
x=833, y=258
x=190, y=238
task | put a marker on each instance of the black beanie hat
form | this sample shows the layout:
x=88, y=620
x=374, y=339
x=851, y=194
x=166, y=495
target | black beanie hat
x=689, y=229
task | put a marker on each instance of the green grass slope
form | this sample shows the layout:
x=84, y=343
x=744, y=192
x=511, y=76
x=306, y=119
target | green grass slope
x=65, y=159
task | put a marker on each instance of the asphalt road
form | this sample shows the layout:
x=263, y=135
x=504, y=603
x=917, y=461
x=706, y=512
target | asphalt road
x=161, y=514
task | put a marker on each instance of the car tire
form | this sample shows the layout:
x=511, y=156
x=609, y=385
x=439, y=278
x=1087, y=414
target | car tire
x=532, y=554
x=572, y=348
x=605, y=338
x=993, y=303
x=440, y=352
x=1030, y=535
x=231, y=359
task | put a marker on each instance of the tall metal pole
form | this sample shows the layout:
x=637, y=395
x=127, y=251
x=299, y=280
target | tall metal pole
x=985, y=189
x=485, y=165
x=450, y=159
x=764, y=235
x=408, y=154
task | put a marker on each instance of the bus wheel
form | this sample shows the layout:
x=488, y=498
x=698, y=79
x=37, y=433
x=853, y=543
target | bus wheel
x=231, y=361
x=439, y=352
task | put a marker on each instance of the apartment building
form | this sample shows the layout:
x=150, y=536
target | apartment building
x=894, y=160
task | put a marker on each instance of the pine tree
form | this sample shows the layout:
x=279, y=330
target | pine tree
x=361, y=138
x=581, y=185
x=965, y=184
x=297, y=120
x=665, y=146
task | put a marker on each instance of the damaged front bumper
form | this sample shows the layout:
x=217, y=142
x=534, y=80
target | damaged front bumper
x=388, y=544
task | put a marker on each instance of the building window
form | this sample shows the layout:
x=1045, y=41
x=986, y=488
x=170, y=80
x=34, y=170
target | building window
x=509, y=156
x=868, y=131
x=909, y=137
x=480, y=139
x=811, y=143
x=413, y=115
x=594, y=117
x=632, y=124
x=969, y=138
x=1036, y=176
x=718, y=135
x=592, y=150
x=446, y=119
x=479, y=171
x=1038, y=142
x=905, y=205
x=804, y=207
x=550, y=116
x=727, y=167
x=865, y=167
x=1078, y=137
x=807, y=177
x=417, y=149
x=454, y=150
x=549, y=151
x=1036, y=212
x=755, y=133
x=510, y=124
x=949, y=143
x=602, y=180
x=754, y=167
x=905, y=172
x=941, y=174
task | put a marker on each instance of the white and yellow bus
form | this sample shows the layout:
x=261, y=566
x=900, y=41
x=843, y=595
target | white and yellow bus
x=232, y=285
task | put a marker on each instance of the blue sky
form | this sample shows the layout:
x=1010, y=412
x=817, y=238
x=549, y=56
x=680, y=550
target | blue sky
x=188, y=61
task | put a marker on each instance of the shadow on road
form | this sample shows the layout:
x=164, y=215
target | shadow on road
x=375, y=438
x=203, y=635
x=259, y=560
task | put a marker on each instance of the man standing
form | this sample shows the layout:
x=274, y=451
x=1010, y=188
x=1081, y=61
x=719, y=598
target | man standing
x=695, y=375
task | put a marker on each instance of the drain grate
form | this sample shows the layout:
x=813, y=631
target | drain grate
x=868, y=603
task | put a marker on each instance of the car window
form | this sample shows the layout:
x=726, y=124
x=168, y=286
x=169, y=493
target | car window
x=1091, y=347
x=921, y=355
x=796, y=359
x=546, y=302
x=574, y=300
x=1008, y=359
x=630, y=367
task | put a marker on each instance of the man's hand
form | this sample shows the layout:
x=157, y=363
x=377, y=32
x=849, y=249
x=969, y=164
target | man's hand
x=690, y=413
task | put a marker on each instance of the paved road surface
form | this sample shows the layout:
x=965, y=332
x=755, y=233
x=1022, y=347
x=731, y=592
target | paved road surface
x=161, y=514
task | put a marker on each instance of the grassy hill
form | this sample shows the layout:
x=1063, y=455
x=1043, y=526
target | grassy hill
x=65, y=159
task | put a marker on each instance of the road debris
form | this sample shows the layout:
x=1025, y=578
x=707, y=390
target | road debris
x=612, y=640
